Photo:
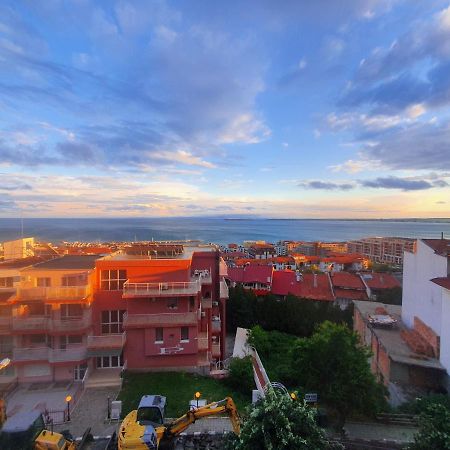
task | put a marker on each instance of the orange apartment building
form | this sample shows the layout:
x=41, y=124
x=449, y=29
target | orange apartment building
x=78, y=317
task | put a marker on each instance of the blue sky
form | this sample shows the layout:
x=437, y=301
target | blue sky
x=277, y=109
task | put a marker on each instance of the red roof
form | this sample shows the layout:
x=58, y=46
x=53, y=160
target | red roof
x=251, y=274
x=443, y=282
x=350, y=294
x=347, y=280
x=285, y=282
x=440, y=246
x=236, y=274
x=282, y=259
x=381, y=280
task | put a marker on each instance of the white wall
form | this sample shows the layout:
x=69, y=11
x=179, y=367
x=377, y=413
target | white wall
x=421, y=297
x=445, y=332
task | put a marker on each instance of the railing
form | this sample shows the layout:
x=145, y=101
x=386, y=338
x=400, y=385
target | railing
x=223, y=290
x=30, y=323
x=160, y=289
x=206, y=303
x=203, y=341
x=204, y=276
x=49, y=354
x=57, y=292
x=144, y=320
x=215, y=325
x=74, y=323
x=106, y=341
x=216, y=349
x=5, y=323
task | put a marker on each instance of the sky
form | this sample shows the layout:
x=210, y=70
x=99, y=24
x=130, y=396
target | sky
x=297, y=109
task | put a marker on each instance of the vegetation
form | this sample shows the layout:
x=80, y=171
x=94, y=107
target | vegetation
x=434, y=428
x=293, y=315
x=334, y=364
x=179, y=388
x=391, y=296
x=278, y=423
x=419, y=405
x=240, y=377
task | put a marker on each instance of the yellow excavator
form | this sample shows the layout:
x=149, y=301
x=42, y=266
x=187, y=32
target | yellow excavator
x=144, y=428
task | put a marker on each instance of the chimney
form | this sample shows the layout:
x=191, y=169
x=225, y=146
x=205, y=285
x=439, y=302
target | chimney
x=315, y=280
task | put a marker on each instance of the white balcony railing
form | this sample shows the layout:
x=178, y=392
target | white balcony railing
x=223, y=290
x=106, y=341
x=30, y=323
x=206, y=303
x=160, y=289
x=147, y=320
x=216, y=349
x=47, y=323
x=52, y=293
x=69, y=354
x=71, y=323
x=5, y=322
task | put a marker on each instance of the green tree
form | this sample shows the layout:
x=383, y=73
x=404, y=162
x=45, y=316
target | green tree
x=333, y=363
x=240, y=375
x=278, y=423
x=434, y=429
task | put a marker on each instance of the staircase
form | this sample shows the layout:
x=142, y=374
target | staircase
x=104, y=378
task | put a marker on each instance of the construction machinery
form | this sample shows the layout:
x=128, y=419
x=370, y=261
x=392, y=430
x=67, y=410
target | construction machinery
x=144, y=428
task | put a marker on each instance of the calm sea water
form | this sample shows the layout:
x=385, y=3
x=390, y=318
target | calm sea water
x=218, y=230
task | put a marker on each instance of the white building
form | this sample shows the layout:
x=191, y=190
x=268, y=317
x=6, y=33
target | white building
x=20, y=248
x=426, y=295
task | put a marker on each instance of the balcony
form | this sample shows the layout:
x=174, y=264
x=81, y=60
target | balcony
x=223, y=290
x=203, y=341
x=204, y=276
x=152, y=320
x=30, y=323
x=131, y=290
x=49, y=354
x=216, y=350
x=216, y=325
x=106, y=341
x=75, y=323
x=54, y=293
x=5, y=323
x=206, y=303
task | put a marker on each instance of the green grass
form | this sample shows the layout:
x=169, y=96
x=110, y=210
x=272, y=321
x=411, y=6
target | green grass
x=178, y=387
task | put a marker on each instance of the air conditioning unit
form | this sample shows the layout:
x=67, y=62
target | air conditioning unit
x=203, y=314
x=215, y=303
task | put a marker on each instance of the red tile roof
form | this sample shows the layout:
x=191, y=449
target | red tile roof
x=346, y=280
x=443, y=282
x=381, y=281
x=350, y=294
x=440, y=246
x=251, y=274
x=285, y=282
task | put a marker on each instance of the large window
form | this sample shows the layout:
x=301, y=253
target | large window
x=79, y=279
x=113, y=280
x=43, y=282
x=70, y=339
x=6, y=282
x=112, y=321
x=104, y=362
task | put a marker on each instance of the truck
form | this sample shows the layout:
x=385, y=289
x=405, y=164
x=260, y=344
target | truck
x=144, y=428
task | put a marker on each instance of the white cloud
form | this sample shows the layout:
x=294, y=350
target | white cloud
x=302, y=64
x=246, y=129
x=182, y=157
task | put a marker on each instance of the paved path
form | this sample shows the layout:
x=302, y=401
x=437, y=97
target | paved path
x=373, y=430
x=91, y=411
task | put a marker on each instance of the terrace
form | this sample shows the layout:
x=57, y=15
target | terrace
x=131, y=290
x=145, y=320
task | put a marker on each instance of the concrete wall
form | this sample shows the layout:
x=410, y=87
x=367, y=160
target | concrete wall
x=421, y=297
x=445, y=332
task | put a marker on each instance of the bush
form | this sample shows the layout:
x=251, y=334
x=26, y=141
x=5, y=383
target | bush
x=240, y=377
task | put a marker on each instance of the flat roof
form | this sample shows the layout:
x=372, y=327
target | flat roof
x=391, y=339
x=67, y=262
x=187, y=254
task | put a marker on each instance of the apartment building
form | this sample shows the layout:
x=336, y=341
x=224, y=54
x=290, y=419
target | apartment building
x=82, y=317
x=387, y=250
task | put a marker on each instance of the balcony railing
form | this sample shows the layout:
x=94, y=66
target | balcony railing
x=206, y=303
x=54, y=293
x=203, y=341
x=216, y=349
x=215, y=325
x=49, y=354
x=204, y=276
x=25, y=323
x=106, y=341
x=160, y=289
x=5, y=323
x=223, y=290
x=71, y=323
x=149, y=320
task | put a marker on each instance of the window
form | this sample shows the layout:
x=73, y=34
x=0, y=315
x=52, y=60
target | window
x=70, y=339
x=113, y=280
x=74, y=280
x=159, y=336
x=172, y=303
x=184, y=334
x=38, y=339
x=72, y=310
x=43, y=282
x=109, y=361
x=191, y=303
x=112, y=321
x=6, y=282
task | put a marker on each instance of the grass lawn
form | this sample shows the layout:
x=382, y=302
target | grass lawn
x=178, y=387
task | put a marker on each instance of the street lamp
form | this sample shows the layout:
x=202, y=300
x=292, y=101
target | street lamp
x=197, y=396
x=4, y=363
x=294, y=396
x=68, y=400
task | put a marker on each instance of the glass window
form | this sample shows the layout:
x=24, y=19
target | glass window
x=43, y=282
x=6, y=282
x=113, y=280
x=112, y=321
x=185, y=333
x=172, y=303
x=159, y=337
x=75, y=339
x=71, y=310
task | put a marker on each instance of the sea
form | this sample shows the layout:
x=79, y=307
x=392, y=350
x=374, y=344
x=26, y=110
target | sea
x=220, y=230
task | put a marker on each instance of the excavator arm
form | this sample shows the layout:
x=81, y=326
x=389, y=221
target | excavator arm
x=213, y=409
